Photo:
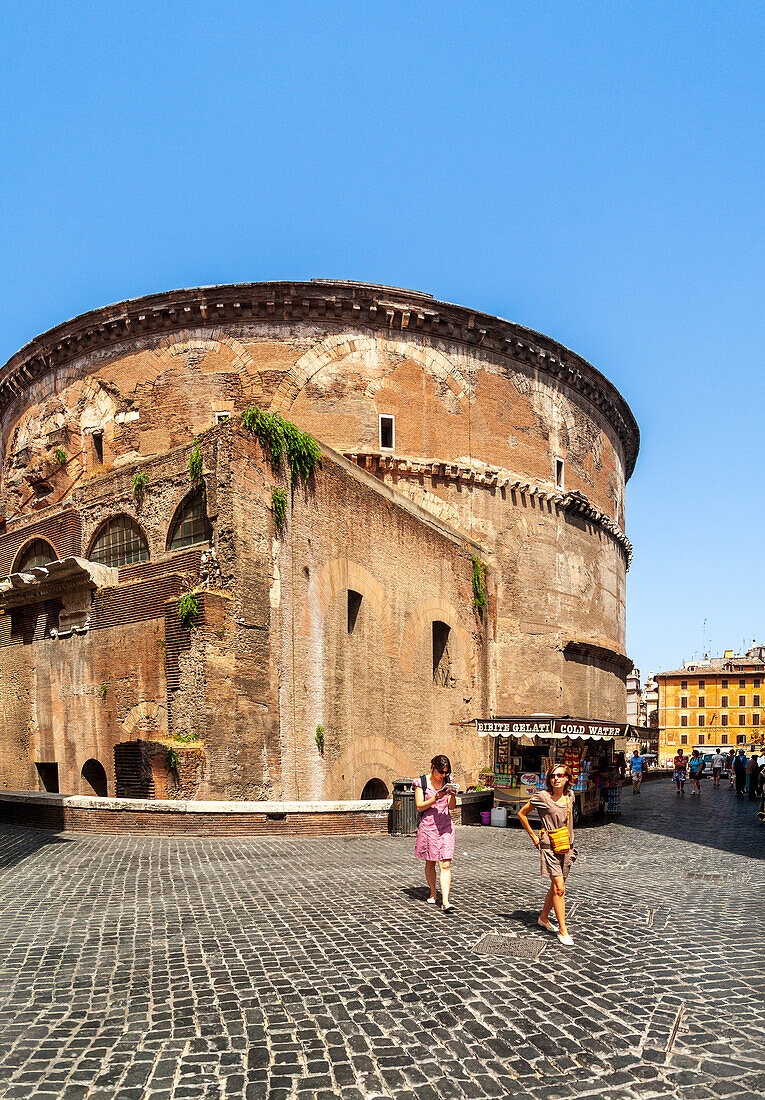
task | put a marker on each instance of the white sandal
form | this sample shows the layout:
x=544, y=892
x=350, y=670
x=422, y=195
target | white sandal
x=565, y=940
x=431, y=901
x=548, y=925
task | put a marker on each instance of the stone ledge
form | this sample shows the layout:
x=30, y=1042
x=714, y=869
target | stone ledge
x=179, y=806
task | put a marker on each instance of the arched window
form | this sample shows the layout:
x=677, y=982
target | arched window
x=37, y=552
x=190, y=524
x=121, y=542
x=94, y=775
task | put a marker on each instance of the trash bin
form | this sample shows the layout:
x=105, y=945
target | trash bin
x=404, y=811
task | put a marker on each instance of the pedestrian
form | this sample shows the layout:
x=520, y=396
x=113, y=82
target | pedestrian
x=739, y=770
x=729, y=766
x=717, y=766
x=753, y=774
x=680, y=764
x=695, y=769
x=761, y=776
x=637, y=766
x=435, y=798
x=557, y=854
x=621, y=764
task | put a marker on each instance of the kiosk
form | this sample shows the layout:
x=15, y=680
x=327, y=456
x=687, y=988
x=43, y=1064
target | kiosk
x=525, y=748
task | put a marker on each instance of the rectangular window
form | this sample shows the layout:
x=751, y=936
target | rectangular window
x=559, y=473
x=702, y=738
x=441, y=663
x=724, y=701
x=755, y=719
x=98, y=447
x=48, y=776
x=724, y=720
x=742, y=719
x=221, y=416
x=354, y=606
x=684, y=720
x=701, y=719
x=723, y=738
x=742, y=683
x=387, y=433
x=702, y=685
x=756, y=682
x=684, y=701
x=742, y=700
x=683, y=738
x=702, y=701
x=741, y=739
x=724, y=683
x=683, y=685
x=755, y=700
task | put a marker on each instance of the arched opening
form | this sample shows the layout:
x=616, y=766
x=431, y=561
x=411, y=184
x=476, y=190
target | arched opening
x=119, y=542
x=94, y=776
x=190, y=524
x=36, y=553
x=374, y=788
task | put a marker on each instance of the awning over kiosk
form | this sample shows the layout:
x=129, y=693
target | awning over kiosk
x=575, y=729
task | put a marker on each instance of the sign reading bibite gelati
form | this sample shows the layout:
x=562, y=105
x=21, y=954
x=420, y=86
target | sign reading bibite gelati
x=547, y=727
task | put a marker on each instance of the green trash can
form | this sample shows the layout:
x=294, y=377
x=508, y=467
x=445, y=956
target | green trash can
x=404, y=816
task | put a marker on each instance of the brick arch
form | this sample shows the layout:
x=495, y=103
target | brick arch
x=338, y=576
x=204, y=340
x=420, y=617
x=144, y=714
x=335, y=348
x=18, y=557
x=367, y=758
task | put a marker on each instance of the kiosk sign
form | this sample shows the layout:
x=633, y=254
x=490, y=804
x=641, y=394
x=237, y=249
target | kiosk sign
x=547, y=727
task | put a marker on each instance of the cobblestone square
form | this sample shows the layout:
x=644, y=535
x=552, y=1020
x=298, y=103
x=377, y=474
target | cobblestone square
x=149, y=968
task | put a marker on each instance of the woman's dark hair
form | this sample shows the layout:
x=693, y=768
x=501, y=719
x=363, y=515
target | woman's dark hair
x=442, y=764
x=569, y=777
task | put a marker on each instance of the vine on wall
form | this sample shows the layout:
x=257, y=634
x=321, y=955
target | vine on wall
x=279, y=508
x=479, y=584
x=282, y=439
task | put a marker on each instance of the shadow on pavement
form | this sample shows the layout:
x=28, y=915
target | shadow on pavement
x=18, y=843
x=715, y=819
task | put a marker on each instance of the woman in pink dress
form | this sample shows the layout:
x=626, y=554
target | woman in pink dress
x=435, y=832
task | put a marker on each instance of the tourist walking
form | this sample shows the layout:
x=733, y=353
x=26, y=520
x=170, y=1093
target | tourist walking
x=739, y=770
x=636, y=764
x=557, y=854
x=753, y=775
x=680, y=764
x=718, y=760
x=435, y=798
x=695, y=770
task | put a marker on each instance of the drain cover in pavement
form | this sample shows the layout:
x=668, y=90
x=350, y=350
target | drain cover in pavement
x=495, y=943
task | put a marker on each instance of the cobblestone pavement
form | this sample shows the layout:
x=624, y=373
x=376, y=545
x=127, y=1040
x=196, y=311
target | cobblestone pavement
x=151, y=968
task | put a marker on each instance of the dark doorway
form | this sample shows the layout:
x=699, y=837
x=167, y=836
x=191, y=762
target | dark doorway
x=374, y=788
x=441, y=663
x=94, y=776
x=354, y=606
x=48, y=774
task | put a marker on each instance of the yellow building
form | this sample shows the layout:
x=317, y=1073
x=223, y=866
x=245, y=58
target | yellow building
x=717, y=702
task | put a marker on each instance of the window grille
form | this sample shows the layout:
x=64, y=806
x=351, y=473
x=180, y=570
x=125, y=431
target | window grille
x=191, y=525
x=39, y=552
x=120, y=543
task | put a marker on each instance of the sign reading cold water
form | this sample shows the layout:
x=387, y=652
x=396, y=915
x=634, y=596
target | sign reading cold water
x=547, y=727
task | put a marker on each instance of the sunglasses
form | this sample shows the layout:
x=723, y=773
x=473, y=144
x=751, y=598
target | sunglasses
x=559, y=775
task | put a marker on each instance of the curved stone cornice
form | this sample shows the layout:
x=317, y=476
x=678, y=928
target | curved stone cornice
x=333, y=304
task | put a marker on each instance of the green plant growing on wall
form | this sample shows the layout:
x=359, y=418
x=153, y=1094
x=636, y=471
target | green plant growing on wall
x=139, y=487
x=320, y=739
x=479, y=584
x=188, y=609
x=281, y=439
x=186, y=738
x=279, y=508
x=60, y=456
x=195, y=464
x=103, y=689
x=173, y=759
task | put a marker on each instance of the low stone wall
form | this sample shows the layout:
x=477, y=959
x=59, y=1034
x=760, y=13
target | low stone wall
x=75, y=813
x=79, y=813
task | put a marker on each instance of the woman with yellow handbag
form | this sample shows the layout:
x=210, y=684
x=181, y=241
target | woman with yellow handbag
x=555, y=843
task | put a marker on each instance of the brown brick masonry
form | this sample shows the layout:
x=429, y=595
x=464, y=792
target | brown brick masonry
x=62, y=813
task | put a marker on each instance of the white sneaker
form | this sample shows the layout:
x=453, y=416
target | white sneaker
x=565, y=940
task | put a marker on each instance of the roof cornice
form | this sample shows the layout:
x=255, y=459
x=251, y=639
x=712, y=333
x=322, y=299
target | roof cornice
x=334, y=304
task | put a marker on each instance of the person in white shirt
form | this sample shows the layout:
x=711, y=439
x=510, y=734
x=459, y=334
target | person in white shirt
x=717, y=766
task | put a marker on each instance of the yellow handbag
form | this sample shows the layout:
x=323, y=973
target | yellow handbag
x=559, y=838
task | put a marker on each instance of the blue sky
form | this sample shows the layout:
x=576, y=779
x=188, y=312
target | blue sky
x=591, y=170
